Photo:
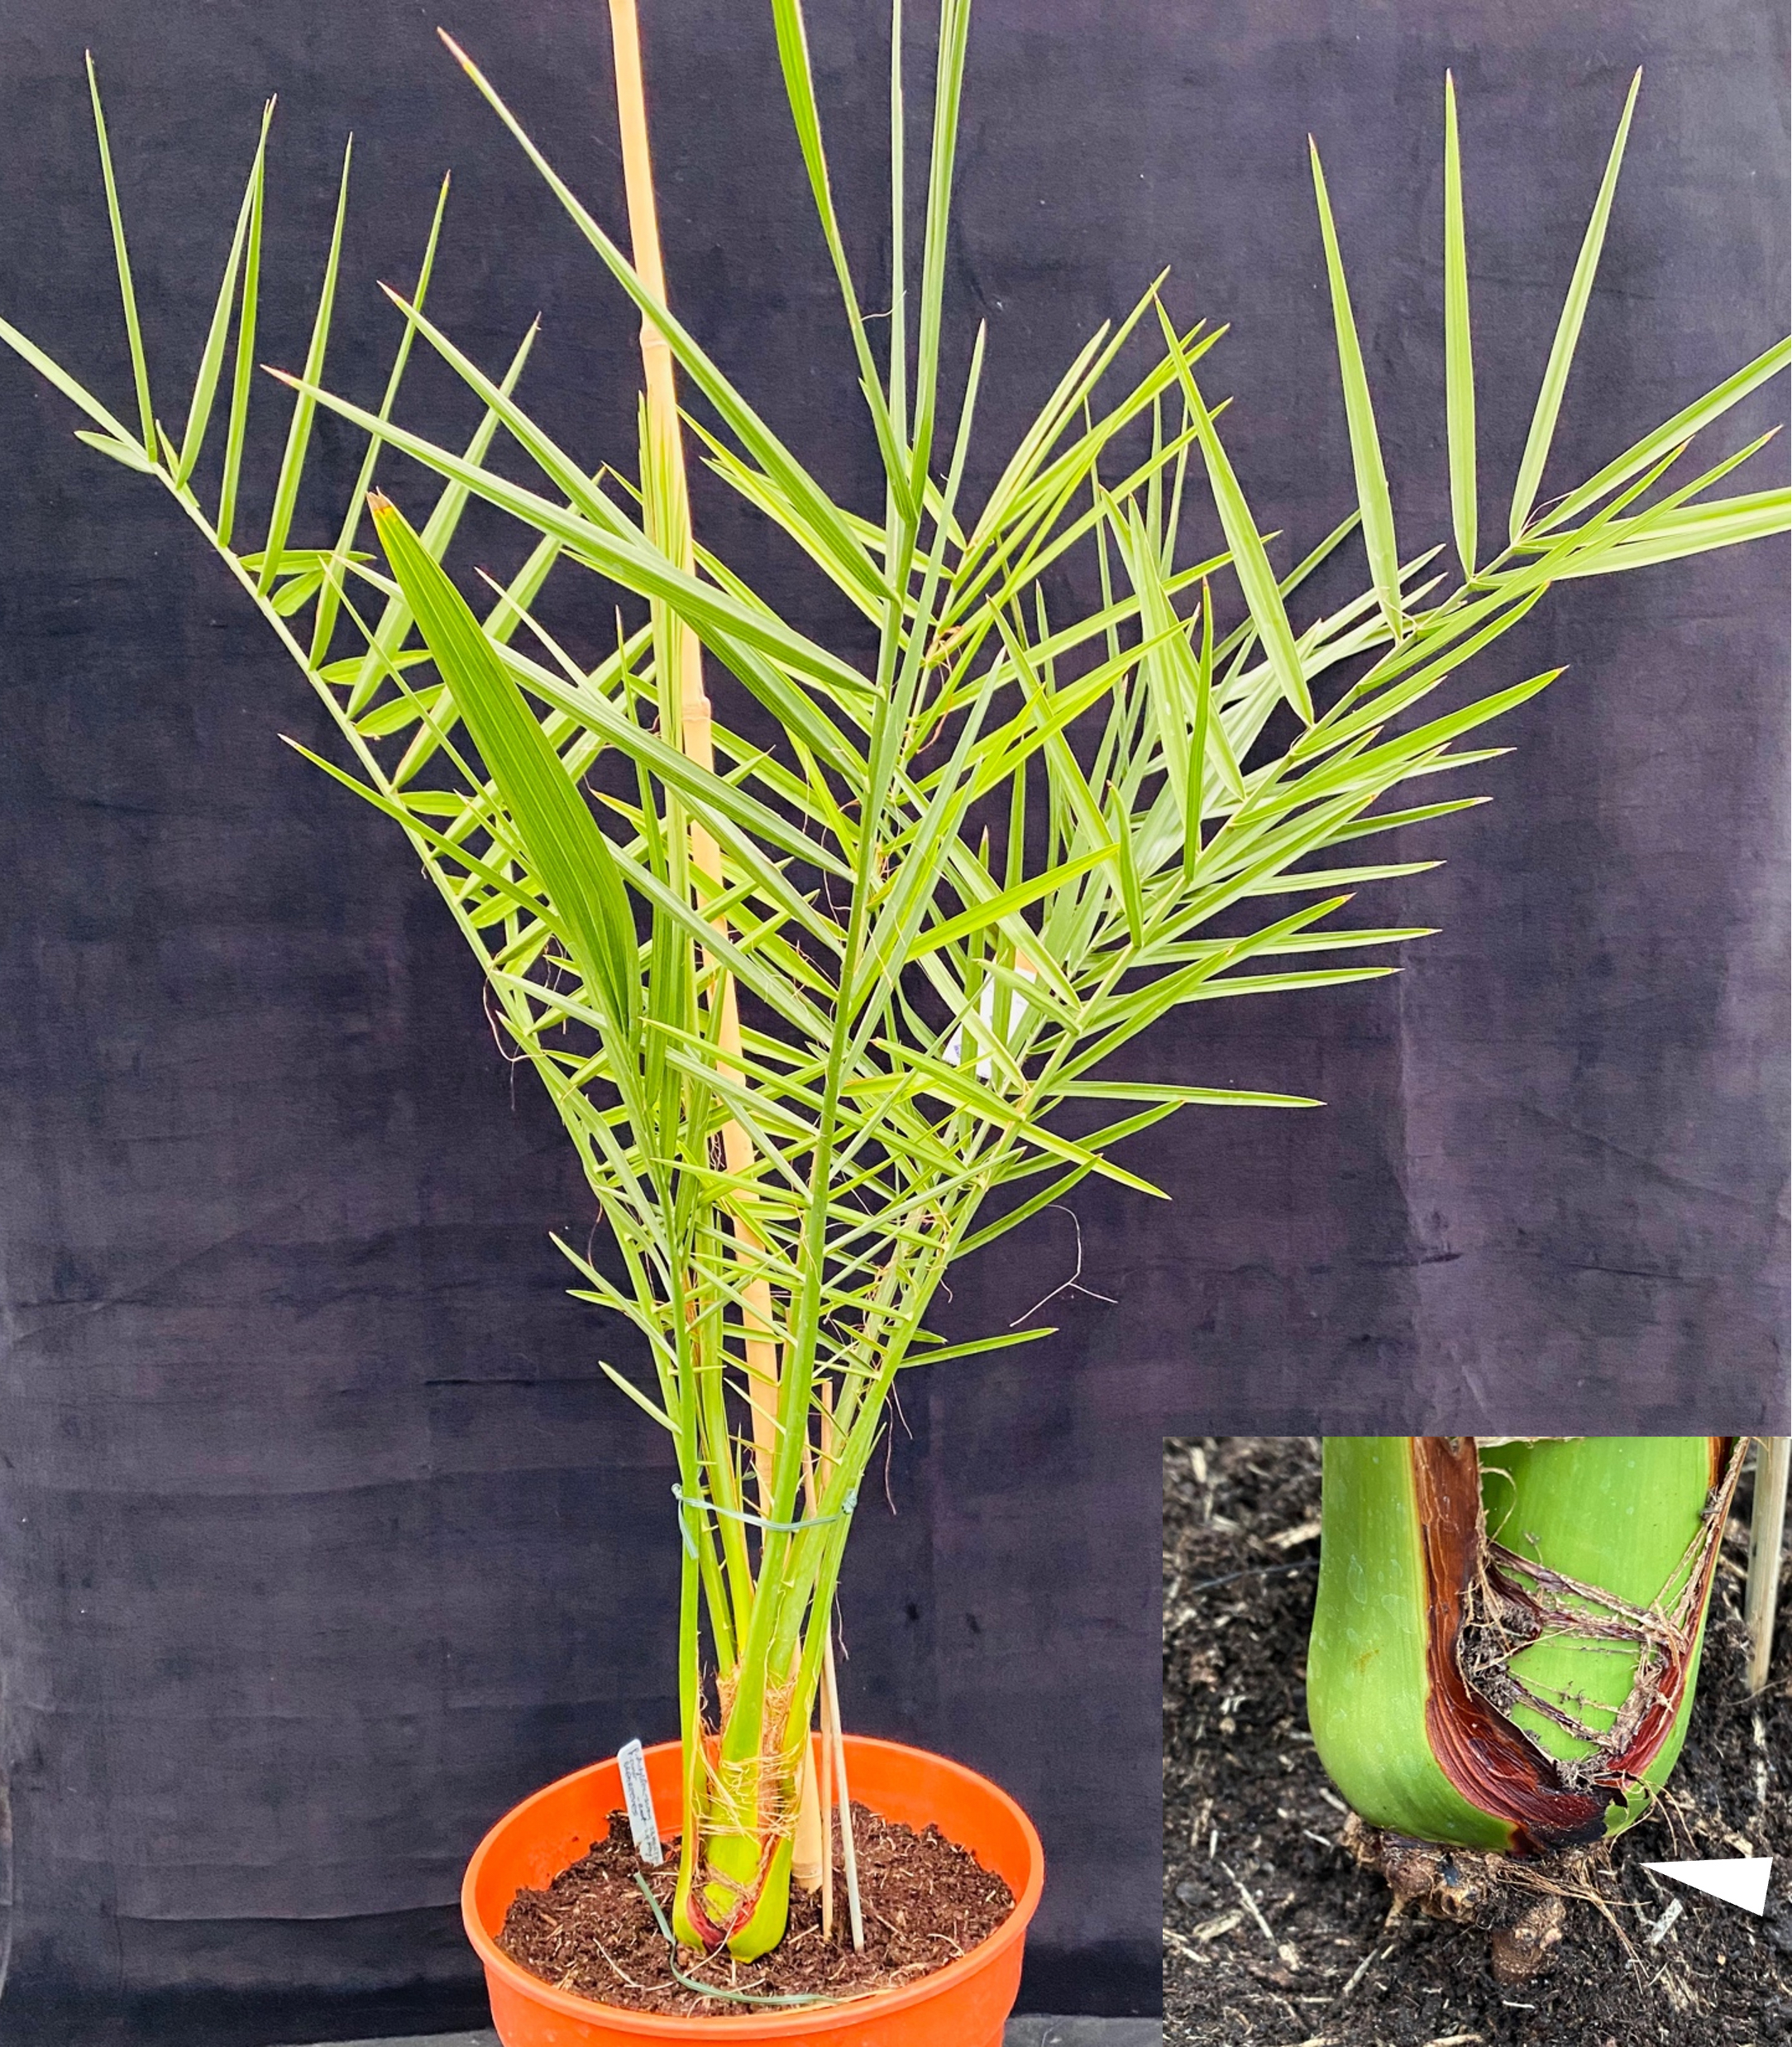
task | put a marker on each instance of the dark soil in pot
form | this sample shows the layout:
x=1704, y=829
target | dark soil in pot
x=1247, y=1809
x=925, y=1901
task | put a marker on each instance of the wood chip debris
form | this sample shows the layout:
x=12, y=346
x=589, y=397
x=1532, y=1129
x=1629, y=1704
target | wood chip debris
x=1211, y=1929
x=1285, y=1953
x=1664, y=1925
x=1361, y=1971
x=1250, y=1905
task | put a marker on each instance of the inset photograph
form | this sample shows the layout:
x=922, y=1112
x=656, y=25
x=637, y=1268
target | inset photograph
x=1436, y=1712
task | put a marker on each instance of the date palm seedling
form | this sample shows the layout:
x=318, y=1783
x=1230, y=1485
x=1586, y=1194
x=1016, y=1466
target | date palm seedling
x=829, y=979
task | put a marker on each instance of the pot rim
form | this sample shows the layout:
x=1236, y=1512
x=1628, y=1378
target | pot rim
x=794, y=2021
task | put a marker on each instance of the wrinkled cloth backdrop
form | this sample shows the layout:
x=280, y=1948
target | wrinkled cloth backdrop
x=321, y=1539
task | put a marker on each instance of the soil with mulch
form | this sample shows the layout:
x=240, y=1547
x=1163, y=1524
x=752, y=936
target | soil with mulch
x=925, y=1902
x=1272, y=1932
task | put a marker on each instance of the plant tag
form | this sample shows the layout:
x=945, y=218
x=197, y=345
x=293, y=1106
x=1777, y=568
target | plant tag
x=640, y=1795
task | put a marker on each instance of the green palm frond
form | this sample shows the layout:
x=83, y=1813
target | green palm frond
x=974, y=869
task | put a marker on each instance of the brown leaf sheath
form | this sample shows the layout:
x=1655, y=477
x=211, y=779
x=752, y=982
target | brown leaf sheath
x=1480, y=1750
x=1490, y=1761
x=1665, y=1665
x=1484, y=1755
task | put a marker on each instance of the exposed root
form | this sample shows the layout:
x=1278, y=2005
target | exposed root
x=1523, y=1949
x=1519, y=1903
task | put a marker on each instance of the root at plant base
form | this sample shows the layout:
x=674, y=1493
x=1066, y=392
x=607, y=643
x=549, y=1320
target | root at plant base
x=1520, y=1906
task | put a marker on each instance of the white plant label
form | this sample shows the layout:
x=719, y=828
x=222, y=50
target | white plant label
x=640, y=1795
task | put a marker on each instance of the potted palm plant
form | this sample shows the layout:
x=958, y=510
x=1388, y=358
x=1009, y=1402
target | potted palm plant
x=829, y=975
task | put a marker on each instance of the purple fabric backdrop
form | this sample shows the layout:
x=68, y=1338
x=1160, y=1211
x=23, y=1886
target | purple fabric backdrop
x=321, y=1539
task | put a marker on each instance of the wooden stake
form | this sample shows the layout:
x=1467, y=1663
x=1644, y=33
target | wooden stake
x=812, y=1855
x=809, y=1851
x=832, y=1737
x=666, y=492
x=1766, y=1542
x=819, y=1750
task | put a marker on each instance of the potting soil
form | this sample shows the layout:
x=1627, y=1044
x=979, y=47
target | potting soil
x=925, y=1902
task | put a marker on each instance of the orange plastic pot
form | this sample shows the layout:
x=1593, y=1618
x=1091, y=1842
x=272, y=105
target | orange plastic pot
x=963, y=2004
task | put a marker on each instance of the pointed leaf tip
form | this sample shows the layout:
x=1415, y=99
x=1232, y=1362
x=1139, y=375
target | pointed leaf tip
x=1568, y=329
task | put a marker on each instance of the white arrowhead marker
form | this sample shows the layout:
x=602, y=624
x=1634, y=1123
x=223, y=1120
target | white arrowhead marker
x=1740, y=1880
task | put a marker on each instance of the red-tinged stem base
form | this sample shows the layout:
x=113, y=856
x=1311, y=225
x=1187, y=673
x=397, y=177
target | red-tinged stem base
x=1483, y=1598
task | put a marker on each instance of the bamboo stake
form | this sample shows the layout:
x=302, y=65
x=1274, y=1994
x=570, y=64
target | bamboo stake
x=831, y=1734
x=809, y=1850
x=825, y=1786
x=1766, y=1542
x=668, y=508
x=832, y=1737
x=667, y=496
x=813, y=1855
x=812, y=1851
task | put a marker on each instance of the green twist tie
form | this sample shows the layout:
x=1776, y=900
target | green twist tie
x=755, y=1520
